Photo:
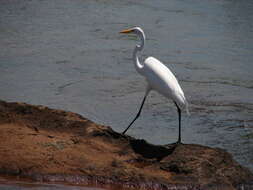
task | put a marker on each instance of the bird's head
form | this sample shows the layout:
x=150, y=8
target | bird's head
x=134, y=30
x=137, y=31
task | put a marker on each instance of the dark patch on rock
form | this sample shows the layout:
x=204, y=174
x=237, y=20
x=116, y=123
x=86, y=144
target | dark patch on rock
x=150, y=151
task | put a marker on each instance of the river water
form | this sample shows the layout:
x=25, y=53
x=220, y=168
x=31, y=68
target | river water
x=8, y=183
x=68, y=54
x=11, y=184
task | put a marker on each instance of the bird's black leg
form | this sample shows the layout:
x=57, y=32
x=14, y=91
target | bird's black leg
x=179, y=126
x=138, y=114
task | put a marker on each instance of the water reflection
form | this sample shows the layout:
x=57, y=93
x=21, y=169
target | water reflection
x=10, y=183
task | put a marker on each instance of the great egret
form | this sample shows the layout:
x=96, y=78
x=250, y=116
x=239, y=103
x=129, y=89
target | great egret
x=159, y=78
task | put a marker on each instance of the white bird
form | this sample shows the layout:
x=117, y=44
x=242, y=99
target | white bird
x=159, y=78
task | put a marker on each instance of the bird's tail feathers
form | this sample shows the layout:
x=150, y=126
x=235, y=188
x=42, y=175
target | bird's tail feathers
x=187, y=108
x=186, y=105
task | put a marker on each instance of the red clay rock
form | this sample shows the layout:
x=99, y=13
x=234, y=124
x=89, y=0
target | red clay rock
x=52, y=145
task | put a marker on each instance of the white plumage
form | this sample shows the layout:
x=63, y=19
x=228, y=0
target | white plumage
x=159, y=78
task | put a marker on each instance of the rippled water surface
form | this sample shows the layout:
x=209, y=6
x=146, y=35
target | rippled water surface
x=68, y=54
x=12, y=184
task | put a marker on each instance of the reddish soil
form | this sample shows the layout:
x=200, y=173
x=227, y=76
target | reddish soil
x=57, y=146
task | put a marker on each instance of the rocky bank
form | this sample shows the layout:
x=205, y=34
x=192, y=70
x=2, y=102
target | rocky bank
x=57, y=146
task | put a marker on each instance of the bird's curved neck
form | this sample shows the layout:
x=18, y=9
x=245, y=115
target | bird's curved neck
x=138, y=47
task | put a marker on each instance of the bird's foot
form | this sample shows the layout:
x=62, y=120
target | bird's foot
x=179, y=142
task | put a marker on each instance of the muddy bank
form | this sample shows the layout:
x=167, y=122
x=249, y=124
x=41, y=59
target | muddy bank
x=57, y=146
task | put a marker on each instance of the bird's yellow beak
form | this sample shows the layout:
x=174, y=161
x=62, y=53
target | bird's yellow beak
x=126, y=31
